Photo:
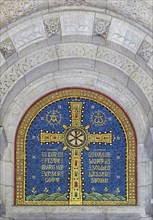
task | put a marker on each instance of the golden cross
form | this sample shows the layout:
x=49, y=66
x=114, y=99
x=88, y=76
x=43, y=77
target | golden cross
x=75, y=138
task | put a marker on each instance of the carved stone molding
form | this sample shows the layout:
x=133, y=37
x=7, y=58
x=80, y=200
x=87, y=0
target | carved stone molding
x=52, y=26
x=13, y=10
x=145, y=51
x=101, y=27
x=138, y=11
x=7, y=48
x=115, y=59
x=76, y=2
x=144, y=81
x=76, y=50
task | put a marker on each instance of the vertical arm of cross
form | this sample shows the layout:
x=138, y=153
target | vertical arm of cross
x=76, y=111
x=76, y=174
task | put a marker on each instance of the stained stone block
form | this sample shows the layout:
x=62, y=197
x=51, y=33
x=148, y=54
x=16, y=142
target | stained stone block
x=149, y=207
x=3, y=142
x=149, y=143
x=2, y=60
x=2, y=208
x=77, y=23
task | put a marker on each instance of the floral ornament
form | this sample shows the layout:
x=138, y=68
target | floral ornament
x=117, y=191
x=101, y=27
x=34, y=191
x=93, y=189
x=105, y=189
x=58, y=189
x=52, y=26
x=46, y=190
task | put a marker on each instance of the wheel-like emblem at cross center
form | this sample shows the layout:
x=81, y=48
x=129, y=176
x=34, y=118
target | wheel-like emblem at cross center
x=76, y=137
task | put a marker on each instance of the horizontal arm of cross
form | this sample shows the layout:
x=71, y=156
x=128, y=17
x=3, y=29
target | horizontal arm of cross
x=46, y=137
x=101, y=138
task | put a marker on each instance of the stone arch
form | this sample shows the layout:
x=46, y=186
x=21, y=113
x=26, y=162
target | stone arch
x=101, y=59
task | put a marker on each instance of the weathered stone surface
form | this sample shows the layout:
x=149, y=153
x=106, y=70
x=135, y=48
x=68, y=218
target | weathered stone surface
x=32, y=31
x=3, y=142
x=2, y=209
x=137, y=10
x=2, y=60
x=77, y=23
x=125, y=35
x=116, y=59
x=13, y=10
x=150, y=63
x=149, y=143
x=17, y=71
x=145, y=83
x=76, y=50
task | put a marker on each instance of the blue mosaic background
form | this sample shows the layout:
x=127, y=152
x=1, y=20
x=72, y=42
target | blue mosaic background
x=34, y=149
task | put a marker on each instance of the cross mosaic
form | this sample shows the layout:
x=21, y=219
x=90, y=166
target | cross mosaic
x=75, y=147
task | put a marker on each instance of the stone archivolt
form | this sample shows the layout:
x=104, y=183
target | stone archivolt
x=137, y=10
x=76, y=50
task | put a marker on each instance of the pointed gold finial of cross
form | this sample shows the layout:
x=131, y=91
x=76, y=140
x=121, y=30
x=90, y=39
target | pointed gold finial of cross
x=76, y=138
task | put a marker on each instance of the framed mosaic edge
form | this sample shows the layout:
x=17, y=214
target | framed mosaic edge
x=75, y=147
